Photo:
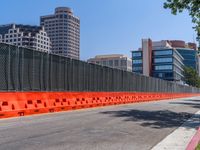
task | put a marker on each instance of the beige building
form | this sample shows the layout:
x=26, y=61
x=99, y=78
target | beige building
x=118, y=61
x=161, y=44
x=34, y=37
x=63, y=28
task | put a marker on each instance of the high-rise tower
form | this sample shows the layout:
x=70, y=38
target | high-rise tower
x=63, y=28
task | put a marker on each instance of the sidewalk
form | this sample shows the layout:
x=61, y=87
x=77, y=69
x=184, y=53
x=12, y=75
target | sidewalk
x=181, y=137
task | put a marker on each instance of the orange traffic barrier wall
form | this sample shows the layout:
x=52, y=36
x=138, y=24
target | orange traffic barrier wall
x=13, y=104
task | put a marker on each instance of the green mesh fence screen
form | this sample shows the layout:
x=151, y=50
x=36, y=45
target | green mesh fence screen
x=24, y=69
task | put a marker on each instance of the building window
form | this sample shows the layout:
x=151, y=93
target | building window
x=163, y=52
x=169, y=74
x=123, y=63
x=163, y=67
x=137, y=54
x=104, y=63
x=160, y=75
x=137, y=68
x=161, y=60
x=137, y=61
x=116, y=62
x=110, y=63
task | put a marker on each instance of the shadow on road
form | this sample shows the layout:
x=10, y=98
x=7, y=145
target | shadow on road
x=154, y=119
x=193, y=100
x=191, y=103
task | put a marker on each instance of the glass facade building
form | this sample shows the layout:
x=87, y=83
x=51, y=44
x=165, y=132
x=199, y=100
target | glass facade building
x=137, y=65
x=168, y=65
x=190, y=57
x=165, y=59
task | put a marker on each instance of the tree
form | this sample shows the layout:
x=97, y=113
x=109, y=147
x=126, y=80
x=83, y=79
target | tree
x=191, y=77
x=193, y=6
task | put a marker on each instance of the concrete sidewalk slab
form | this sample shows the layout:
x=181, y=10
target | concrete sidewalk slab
x=179, y=139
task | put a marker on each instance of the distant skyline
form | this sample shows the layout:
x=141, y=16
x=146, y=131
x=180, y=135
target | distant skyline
x=107, y=26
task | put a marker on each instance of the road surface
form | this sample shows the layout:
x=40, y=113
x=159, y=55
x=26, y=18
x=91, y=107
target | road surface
x=124, y=127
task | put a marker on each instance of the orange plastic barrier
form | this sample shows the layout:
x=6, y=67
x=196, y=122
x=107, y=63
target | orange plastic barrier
x=13, y=104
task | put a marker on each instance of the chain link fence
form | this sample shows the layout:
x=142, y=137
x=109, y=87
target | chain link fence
x=23, y=69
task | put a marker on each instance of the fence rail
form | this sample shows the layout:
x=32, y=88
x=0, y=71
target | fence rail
x=23, y=69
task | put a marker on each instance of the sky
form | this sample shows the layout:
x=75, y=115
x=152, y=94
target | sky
x=107, y=26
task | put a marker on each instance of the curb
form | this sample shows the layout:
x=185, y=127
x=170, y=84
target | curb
x=195, y=141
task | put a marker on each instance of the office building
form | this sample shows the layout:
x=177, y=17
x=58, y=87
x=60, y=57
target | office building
x=114, y=61
x=168, y=65
x=137, y=61
x=63, y=28
x=158, y=59
x=28, y=36
x=188, y=51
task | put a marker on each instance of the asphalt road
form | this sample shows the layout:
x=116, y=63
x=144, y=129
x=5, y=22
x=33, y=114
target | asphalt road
x=124, y=127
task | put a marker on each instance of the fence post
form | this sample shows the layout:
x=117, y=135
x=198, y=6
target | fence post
x=8, y=69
